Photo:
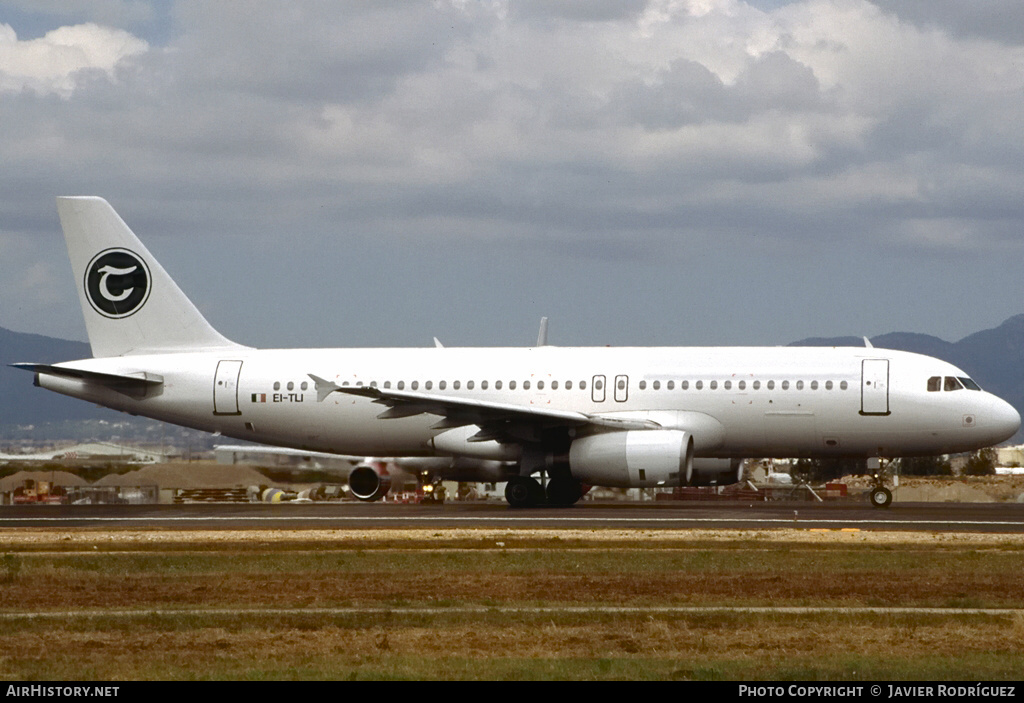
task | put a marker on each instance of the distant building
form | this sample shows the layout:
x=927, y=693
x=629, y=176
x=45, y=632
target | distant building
x=1011, y=457
x=281, y=457
x=95, y=451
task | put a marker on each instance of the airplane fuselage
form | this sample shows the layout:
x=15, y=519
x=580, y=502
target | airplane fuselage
x=736, y=401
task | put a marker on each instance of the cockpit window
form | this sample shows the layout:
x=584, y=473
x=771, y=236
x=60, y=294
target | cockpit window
x=935, y=384
x=952, y=384
x=969, y=384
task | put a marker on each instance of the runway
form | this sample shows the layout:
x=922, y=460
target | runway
x=935, y=517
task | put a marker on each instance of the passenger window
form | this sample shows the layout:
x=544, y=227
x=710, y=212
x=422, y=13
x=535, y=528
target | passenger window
x=843, y=386
x=743, y=385
x=771, y=385
x=828, y=385
x=699, y=385
x=785, y=385
x=497, y=385
x=757, y=385
x=429, y=385
x=568, y=385
x=685, y=385
x=401, y=385
x=483, y=385
x=540, y=385
x=643, y=385
x=415, y=385
x=469, y=385
x=511, y=385
x=952, y=384
x=814, y=385
x=728, y=385
x=714, y=385
x=799, y=385
x=657, y=385
x=671, y=385
x=526, y=385
x=583, y=385
x=554, y=385
x=456, y=385
x=441, y=385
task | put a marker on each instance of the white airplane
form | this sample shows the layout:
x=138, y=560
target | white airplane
x=625, y=417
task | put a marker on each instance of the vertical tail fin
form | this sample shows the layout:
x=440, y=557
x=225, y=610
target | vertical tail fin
x=131, y=305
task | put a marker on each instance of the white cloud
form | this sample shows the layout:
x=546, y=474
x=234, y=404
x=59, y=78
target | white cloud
x=54, y=62
x=571, y=130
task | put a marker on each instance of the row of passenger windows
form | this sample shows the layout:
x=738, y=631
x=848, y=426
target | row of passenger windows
x=935, y=383
x=485, y=385
x=598, y=384
x=742, y=385
x=952, y=383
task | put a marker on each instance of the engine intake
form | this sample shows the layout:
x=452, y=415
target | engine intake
x=367, y=484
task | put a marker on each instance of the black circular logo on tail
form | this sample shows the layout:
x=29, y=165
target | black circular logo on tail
x=117, y=283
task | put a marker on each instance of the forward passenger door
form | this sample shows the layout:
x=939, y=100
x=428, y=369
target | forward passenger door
x=874, y=387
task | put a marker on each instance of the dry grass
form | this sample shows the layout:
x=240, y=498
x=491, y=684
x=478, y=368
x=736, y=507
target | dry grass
x=455, y=572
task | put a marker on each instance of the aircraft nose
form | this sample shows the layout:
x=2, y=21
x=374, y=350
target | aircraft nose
x=1005, y=419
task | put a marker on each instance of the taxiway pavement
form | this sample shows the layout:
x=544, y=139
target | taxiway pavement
x=937, y=517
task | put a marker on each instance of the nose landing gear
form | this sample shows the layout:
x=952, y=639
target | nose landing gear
x=880, y=496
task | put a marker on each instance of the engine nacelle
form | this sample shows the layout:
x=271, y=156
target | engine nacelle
x=716, y=472
x=633, y=459
x=367, y=483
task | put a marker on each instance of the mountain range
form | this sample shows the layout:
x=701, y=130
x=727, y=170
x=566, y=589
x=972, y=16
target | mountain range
x=23, y=404
x=991, y=357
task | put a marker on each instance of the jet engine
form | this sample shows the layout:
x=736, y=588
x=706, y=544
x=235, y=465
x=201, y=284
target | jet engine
x=633, y=459
x=716, y=472
x=368, y=482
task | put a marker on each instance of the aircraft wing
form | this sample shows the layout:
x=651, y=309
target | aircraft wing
x=497, y=421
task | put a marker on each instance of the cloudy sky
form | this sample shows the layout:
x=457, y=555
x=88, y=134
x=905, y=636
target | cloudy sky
x=660, y=172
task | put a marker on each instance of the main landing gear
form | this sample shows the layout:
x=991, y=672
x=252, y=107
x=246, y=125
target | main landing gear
x=527, y=492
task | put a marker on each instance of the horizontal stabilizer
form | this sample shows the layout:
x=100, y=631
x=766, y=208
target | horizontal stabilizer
x=138, y=384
